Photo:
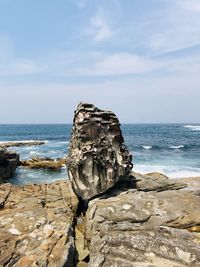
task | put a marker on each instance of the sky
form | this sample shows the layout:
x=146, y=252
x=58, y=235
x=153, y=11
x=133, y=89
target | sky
x=140, y=59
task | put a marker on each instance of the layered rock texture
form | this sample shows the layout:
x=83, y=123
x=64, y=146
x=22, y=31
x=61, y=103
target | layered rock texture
x=8, y=163
x=142, y=222
x=36, y=225
x=98, y=155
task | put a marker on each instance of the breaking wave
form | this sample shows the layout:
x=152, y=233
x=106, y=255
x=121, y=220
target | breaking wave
x=177, y=147
x=147, y=147
x=193, y=127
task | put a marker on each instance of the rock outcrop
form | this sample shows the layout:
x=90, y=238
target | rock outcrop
x=97, y=155
x=155, y=223
x=8, y=163
x=36, y=225
x=21, y=143
x=43, y=163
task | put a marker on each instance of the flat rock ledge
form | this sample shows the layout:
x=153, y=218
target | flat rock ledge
x=97, y=154
x=146, y=221
x=36, y=225
x=43, y=163
x=21, y=143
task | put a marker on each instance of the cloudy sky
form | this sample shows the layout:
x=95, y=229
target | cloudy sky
x=139, y=58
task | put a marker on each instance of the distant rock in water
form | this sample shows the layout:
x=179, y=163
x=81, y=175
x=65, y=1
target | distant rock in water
x=97, y=155
x=43, y=163
x=21, y=143
x=8, y=163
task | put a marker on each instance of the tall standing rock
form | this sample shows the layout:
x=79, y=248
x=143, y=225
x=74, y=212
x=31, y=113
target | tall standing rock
x=97, y=155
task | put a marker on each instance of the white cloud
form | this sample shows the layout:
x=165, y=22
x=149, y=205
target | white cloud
x=18, y=67
x=122, y=64
x=191, y=5
x=10, y=64
x=175, y=26
x=99, y=28
x=174, y=98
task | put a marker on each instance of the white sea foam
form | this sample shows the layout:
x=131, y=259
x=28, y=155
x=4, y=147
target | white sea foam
x=170, y=171
x=35, y=153
x=63, y=142
x=64, y=167
x=193, y=127
x=176, y=147
x=147, y=147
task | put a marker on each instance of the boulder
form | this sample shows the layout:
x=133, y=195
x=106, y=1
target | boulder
x=8, y=163
x=97, y=154
x=36, y=225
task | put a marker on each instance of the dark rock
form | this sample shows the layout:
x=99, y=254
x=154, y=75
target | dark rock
x=8, y=163
x=98, y=155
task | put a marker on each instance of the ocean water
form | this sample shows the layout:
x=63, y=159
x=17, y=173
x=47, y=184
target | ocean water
x=173, y=149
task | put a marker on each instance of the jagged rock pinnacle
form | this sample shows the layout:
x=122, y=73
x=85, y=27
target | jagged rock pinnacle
x=97, y=155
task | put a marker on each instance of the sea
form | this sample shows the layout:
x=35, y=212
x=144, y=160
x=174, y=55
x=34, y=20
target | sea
x=172, y=149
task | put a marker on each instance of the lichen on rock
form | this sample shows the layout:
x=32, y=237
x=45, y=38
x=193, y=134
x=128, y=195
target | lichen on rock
x=97, y=155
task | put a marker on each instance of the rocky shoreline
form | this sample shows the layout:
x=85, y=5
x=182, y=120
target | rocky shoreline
x=105, y=214
x=139, y=222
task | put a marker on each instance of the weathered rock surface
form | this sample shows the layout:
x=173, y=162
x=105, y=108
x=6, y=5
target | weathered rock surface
x=21, y=143
x=154, y=225
x=36, y=225
x=98, y=155
x=43, y=163
x=8, y=163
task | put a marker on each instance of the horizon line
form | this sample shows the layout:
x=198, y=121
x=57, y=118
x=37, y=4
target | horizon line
x=71, y=123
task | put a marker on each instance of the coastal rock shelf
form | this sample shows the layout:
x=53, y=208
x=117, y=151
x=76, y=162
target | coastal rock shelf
x=97, y=155
x=21, y=143
x=106, y=215
x=153, y=225
x=43, y=163
x=36, y=225
x=8, y=163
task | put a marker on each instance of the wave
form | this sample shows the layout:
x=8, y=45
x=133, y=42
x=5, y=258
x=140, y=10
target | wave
x=193, y=127
x=35, y=153
x=177, y=147
x=147, y=147
x=170, y=171
x=166, y=147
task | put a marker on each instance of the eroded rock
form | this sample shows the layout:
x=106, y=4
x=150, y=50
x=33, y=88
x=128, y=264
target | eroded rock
x=98, y=155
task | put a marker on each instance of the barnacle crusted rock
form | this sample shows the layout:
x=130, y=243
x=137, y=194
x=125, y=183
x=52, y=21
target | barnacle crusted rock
x=97, y=155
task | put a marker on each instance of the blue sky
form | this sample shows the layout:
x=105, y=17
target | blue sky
x=139, y=58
